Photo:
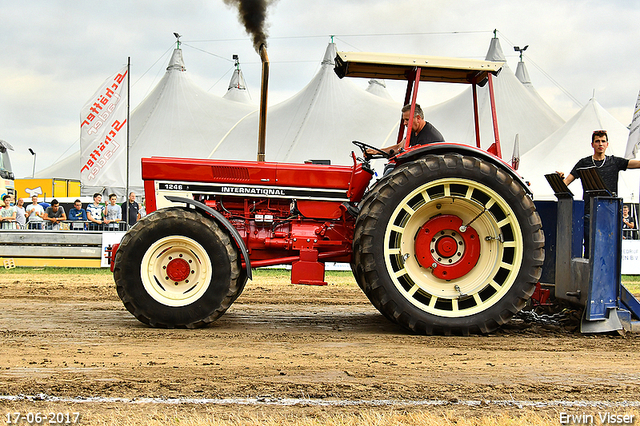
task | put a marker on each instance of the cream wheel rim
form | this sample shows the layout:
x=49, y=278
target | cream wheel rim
x=176, y=271
x=501, y=247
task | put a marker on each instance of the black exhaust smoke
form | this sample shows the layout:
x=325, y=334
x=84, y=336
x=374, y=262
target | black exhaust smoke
x=253, y=14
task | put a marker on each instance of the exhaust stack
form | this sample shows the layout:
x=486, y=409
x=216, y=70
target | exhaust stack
x=262, y=130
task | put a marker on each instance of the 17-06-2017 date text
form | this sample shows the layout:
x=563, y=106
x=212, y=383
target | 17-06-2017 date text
x=38, y=418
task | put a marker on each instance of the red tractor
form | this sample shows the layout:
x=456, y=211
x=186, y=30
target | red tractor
x=449, y=242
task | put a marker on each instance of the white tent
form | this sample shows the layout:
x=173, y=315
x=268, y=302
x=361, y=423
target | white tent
x=562, y=150
x=177, y=119
x=318, y=123
x=519, y=112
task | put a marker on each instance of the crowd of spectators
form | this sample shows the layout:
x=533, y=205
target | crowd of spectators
x=52, y=216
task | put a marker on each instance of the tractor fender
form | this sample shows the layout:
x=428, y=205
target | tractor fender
x=222, y=221
x=440, y=148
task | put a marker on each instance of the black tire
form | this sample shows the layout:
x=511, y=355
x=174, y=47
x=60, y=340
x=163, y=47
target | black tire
x=177, y=269
x=421, y=268
x=363, y=207
x=357, y=234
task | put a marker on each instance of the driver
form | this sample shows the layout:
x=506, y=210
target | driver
x=422, y=132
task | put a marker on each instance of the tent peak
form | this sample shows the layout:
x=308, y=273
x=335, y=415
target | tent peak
x=237, y=80
x=523, y=74
x=237, y=90
x=330, y=55
x=495, y=53
x=176, y=62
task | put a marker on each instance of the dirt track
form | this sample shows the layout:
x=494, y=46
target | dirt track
x=70, y=336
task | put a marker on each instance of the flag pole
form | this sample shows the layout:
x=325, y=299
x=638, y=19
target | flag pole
x=126, y=192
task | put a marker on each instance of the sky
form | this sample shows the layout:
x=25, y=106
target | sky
x=56, y=53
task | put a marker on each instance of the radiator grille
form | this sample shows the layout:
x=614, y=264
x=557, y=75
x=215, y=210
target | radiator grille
x=238, y=174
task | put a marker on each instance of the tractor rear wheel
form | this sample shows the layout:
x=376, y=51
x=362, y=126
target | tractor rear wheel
x=176, y=268
x=451, y=244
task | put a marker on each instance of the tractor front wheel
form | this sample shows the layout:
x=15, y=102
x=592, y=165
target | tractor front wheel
x=177, y=268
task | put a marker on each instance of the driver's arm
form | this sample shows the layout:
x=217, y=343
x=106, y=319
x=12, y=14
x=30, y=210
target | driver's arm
x=391, y=150
x=394, y=149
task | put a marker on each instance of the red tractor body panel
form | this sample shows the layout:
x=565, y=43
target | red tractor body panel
x=285, y=213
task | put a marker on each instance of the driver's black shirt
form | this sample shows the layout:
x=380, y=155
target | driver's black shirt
x=428, y=134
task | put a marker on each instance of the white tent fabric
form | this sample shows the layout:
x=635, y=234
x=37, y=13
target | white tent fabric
x=67, y=168
x=562, y=150
x=177, y=119
x=318, y=123
x=523, y=75
x=518, y=113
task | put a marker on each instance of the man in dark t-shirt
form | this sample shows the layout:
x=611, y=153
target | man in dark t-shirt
x=607, y=167
x=133, y=210
x=422, y=132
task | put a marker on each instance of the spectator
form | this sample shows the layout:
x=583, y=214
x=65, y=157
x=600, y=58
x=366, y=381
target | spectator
x=35, y=213
x=21, y=214
x=8, y=213
x=77, y=212
x=78, y=216
x=607, y=167
x=95, y=212
x=113, y=213
x=133, y=210
x=55, y=214
x=627, y=223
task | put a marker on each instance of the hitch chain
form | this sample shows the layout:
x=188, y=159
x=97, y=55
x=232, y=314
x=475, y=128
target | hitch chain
x=546, y=319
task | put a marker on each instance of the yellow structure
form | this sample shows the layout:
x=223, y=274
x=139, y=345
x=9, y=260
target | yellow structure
x=47, y=188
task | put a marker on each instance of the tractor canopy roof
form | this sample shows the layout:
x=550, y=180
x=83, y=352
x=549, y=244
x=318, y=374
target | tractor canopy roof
x=393, y=66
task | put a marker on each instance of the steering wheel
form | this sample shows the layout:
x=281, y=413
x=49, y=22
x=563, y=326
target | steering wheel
x=364, y=147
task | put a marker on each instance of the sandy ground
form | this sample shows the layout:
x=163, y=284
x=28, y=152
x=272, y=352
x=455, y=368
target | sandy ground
x=69, y=336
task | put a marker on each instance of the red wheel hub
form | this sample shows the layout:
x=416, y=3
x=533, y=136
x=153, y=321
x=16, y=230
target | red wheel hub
x=441, y=246
x=446, y=246
x=178, y=269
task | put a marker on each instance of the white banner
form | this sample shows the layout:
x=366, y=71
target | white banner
x=633, y=143
x=630, y=257
x=103, y=135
